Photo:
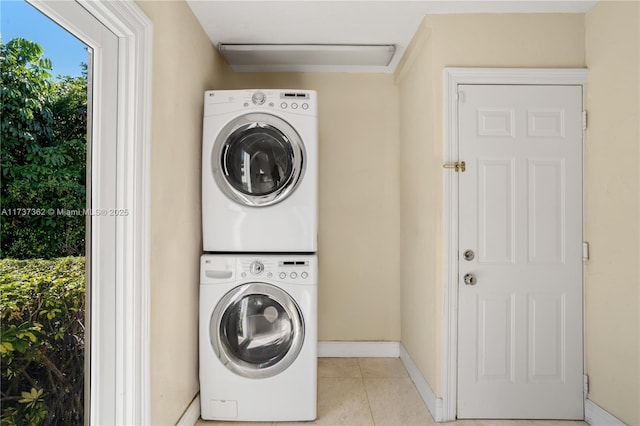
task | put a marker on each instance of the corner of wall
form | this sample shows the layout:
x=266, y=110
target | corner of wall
x=434, y=404
x=177, y=116
x=415, y=46
x=419, y=204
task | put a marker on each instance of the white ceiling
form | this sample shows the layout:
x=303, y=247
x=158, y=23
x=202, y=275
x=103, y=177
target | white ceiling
x=346, y=22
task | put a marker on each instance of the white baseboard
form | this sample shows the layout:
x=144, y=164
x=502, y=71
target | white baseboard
x=598, y=416
x=433, y=404
x=358, y=349
x=192, y=414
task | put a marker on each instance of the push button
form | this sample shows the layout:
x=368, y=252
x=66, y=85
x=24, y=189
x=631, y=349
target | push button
x=293, y=275
x=283, y=275
x=304, y=275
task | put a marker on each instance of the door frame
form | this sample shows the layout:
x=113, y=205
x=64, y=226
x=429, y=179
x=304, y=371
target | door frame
x=452, y=77
x=120, y=327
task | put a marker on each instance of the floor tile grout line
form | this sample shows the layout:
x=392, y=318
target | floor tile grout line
x=373, y=420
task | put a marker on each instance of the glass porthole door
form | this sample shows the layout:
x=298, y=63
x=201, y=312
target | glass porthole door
x=257, y=330
x=258, y=159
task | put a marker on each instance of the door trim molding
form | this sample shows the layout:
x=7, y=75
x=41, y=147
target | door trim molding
x=453, y=77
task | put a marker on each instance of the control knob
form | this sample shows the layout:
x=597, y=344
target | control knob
x=256, y=267
x=258, y=98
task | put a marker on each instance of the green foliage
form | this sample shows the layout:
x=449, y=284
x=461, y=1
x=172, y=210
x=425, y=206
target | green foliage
x=43, y=155
x=69, y=108
x=25, y=88
x=42, y=309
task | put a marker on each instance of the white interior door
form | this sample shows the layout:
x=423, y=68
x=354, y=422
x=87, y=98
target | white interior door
x=520, y=349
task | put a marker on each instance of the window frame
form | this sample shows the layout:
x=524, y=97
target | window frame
x=119, y=261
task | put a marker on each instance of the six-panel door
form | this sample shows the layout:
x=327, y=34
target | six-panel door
x=520, y=324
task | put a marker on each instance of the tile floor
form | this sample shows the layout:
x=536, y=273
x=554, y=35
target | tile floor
x=376, y=391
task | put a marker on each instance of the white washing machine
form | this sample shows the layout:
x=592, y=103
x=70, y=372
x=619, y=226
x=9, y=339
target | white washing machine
x=259, y=171
x=258, y=337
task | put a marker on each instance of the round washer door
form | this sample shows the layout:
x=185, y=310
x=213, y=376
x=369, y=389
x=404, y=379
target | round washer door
x=257, y=330
x=258, y=159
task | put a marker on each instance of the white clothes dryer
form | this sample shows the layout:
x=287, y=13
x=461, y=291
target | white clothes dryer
x=259, y=171
x=258, y=337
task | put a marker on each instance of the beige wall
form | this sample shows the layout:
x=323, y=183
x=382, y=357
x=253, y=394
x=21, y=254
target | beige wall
x=184, y=65
x=358, y=235
x=506, y=40
x=612, y=208
x=420, y=206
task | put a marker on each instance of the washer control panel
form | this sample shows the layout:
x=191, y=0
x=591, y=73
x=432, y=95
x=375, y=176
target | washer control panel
x=282, y=268
x=293, y=270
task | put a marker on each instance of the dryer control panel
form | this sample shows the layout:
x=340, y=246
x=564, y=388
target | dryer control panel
x=300, y=102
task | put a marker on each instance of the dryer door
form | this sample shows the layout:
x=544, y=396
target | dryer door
x=258, y=159
x=257, y=330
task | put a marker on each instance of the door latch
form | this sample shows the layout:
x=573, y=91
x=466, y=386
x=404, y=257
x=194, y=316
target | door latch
x=458, y=166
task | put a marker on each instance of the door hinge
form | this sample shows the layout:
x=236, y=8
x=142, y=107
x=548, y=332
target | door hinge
x=460, y=96
x=584, y=120
x=585, y=384
x=457, y=166
x=585, y=251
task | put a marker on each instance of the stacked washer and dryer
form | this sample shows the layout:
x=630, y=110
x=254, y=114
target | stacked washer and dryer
x=258, y=276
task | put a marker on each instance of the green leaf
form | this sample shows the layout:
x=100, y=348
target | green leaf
x=28, y=334
x=6, y=347
x=32, y=397
x=21, y=346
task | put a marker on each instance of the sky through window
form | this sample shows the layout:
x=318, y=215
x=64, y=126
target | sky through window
x=20, y=19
